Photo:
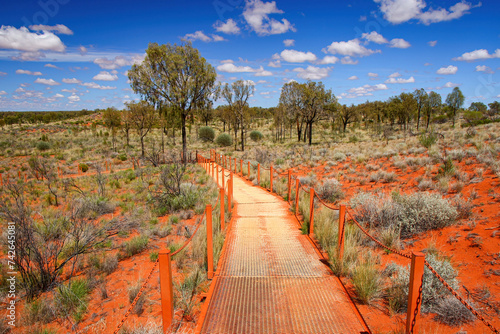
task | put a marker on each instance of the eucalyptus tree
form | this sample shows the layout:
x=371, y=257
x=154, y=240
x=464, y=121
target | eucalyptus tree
x=421, y=98
x=290, y=99
x=142, y=117
x=347, y=115
x=237, y=96
x=455, y=101
x=433, y=104
x=176, y=75
x=112, y=120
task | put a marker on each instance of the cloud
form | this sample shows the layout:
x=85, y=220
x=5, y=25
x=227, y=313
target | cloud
x=257, y=13
x=83, y=50
x=293, y=56
x=312, y=72
x=353, y=78
x=230, y=27
x=28, y=72
x=29, y=56
x=348, y=61
x=400, y=80
x=328, y=60
x=432, y=43
x=261, y=72
x=399, y=43
x=447, y=70
x=200, y=35
x=374, y=37
x=51, y=66
x=231, y=68
x=351, y=48
x=2, y=92
x=367, y=89
x=73, y=98
x=117, y=62
x=289, y=42
x=480, y=54
x=49, y=82
x=484, y=68
x=448, y=85
x=93, y=85
x=71, y=81
x=105, y=76
x=23, y=40
x=395, y=75
x=372, y=75
x=2, y=74
x=59, y=28
x=399, y=11
x=58, y=96
x=274, y=63
x=74, y=90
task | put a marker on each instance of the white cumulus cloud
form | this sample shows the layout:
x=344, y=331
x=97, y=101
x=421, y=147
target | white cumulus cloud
x=374, y=37
x=231, y=68
x=353, y=78
x=395, y=75
x=257, y=13
x=73, y=98
x=484, y=68
x=352, y=48
x=312, y=72
x=117, y=62
x=348, y=61
x=480, y=54
x=49, y=82
x=294, y=56
x=261, y=72
x=93, y=85
x=400, y=80
x=447, y=70
x=432, y=43
x=328, y=60
x=399, y=43
x=24, y=40
x=28, y=72
x=230, y=27
x=367, y=89
x=71, y=81
x=105, y=76
x=59, y=28
x=289, y=42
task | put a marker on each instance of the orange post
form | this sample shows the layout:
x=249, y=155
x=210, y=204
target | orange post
x=166, y=290
x=223, y=184
x=341, y=232
x=289, y=185
x=258, y=174
x=248, y=170
x=271, y=178
x=311, y=212
x=213, y=169
x=1, y=180
x=241, y=167
x=25, y=177
x=230, y=165
x=217, y=173
x=19, y=173
x=222, y=209
x=297, y=196
x=229, y=191
x=210, y=245
x=415, y=292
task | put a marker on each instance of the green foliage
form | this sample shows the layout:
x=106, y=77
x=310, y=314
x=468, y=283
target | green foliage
x=122, y=157
x=224, y=140
x=206, y=134
x=135, y=245
x=40, y=310
x=153, y=256
x=84, y=167
x=43, y=146
x=427, y=140
x=447, y=168
x=256, y=135
x=71, y=299
x=367, y=279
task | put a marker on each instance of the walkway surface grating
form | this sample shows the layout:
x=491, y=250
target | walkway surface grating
x=271, y=279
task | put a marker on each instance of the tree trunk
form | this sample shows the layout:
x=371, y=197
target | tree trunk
x=184, y=138
x=310, y=133
x=418, y=119
x=142, y=145
x=242, y=138
x=299, y=130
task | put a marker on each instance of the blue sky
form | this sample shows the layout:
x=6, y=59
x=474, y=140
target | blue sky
x=73, y=54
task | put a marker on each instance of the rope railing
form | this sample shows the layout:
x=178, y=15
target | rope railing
x=324, y=203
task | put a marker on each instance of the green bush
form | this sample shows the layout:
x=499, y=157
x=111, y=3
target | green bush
x=43, y=146
x=427, y=140
x=71, y=299
x=136, y=245
x=206, y=134
x=367, y=279
x=122, y=157
x=84, y=167
x=224, y=140
x=256, y=135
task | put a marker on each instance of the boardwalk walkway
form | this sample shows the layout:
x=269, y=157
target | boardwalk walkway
x=270, y=278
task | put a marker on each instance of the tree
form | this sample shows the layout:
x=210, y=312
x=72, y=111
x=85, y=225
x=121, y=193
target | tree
x=112, y=120
x=206, y=112
x=347, y=115
x=432, y=105
x=315, y=101
x=455, y=100
x=178, y=75
x=421, y=98
x=237, y=96
x=478, y=106
x=142, y=117
x=290, y=99
x=494, y=108
x=126, y=124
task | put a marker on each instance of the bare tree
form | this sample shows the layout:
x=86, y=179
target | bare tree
x=143, y=117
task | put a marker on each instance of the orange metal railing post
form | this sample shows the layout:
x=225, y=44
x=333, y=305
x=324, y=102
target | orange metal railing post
x=210, y=244
x=223, y=185
x=213, y=169
x=297, y=196
x=230, y=164
x=341, y=232
x=1, y=180
x=235, y=166
x=241, y=167
x=289, y=185
x=248, y=170
x=166, y=290
x=271, y=178
x=415, y=292
x=222, y=209
x=217, y=173
x=311, y=212
x=25, y=178
x=230, y=192
x=258, y=174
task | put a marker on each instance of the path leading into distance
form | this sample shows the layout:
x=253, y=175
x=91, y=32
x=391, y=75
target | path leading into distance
x=270, y=278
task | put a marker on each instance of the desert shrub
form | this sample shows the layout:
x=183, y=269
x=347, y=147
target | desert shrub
x=109, y=264
x=308, y=180
x=135, y=245
x=43, y=146
x=206, y=134
x=330, y=190
x=383, y=176
x=367, y=279
x=411, y=214
x=339, y=156
x=447, y=168
x=452, y=312
x=433, y=291
x=256, y=135
x=186, y=291
x=427, y=140
x=122, y=157
x=133, y=291
x=84, y=167
x=224, y=140
x=71, y=299
x=95, y=206
x=149, y=328
x=41, y=310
